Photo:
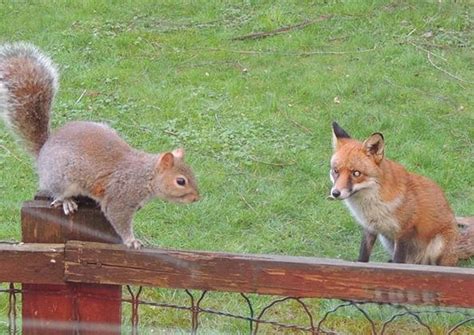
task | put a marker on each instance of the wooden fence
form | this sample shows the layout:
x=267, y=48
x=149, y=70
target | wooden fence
x=70, y=275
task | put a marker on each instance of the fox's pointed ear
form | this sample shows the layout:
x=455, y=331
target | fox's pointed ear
x=374, y=146
x=165, y=162
x=338, y=135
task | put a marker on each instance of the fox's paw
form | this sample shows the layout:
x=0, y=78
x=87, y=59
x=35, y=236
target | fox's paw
x=134, y=244
x=69, y=205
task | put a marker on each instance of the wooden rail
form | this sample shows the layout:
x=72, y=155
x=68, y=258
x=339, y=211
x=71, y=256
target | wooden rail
x=98, y=263
x=71, y=280
x=32, y=263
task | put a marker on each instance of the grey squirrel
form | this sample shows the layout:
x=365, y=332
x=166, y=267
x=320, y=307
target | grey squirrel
x=84, y=158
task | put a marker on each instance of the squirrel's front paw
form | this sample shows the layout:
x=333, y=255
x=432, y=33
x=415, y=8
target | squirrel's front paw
x=134, y=244
x=69, y=205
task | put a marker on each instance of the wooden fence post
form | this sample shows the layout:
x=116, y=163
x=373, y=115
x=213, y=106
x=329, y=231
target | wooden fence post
x=69, y=308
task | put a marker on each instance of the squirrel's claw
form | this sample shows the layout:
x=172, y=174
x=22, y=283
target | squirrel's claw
x=134, y=244
x=69, y=205
x=56, y=203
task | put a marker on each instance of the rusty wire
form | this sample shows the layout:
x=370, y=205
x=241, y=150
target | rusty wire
x=135, y=304
x=12, y=308
x=314, y=325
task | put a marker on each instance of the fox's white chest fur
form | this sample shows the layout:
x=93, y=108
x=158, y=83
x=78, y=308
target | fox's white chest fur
x=373, y=214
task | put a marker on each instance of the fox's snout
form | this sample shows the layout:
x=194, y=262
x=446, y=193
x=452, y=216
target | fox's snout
x=341, y=185
x=337, y=194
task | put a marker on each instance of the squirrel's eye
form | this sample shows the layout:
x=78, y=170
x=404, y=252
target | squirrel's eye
x=181, y=181
x=356, y=173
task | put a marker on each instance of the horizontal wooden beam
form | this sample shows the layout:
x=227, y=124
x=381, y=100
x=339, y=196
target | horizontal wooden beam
x=32, y=263
x=274, y=275
x=88, y=262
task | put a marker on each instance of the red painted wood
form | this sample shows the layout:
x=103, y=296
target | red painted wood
x=69, y=308
x=99, y=308
x=47, y=309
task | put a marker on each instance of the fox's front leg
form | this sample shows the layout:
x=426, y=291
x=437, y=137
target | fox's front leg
x=400, y=251
x=366, y=245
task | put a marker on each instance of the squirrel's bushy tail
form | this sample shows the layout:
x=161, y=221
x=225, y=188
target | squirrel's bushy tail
x=28, y=83
x=465, y=243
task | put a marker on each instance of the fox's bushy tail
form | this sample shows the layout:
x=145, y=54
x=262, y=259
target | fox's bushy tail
x=28, y=84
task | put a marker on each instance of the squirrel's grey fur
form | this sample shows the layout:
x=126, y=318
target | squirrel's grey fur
x=84, y=158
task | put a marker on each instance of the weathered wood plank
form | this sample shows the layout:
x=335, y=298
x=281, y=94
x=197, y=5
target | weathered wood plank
x=42, y=224
x=273, y=275
x=80, y=304
x=32, y=263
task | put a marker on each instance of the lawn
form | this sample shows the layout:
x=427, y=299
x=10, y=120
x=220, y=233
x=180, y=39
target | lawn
x=254, y=114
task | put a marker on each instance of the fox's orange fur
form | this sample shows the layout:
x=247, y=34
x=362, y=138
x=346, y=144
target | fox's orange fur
x=407, y=211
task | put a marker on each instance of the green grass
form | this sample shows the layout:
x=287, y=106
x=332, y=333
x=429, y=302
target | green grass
x=254, y=116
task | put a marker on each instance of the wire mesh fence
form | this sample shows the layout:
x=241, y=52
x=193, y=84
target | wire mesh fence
x=66, y=278
x=147, y=310
x=254, y=314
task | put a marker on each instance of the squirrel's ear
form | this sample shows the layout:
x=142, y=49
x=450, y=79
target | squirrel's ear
x=165, y=162
x=178, y=153
x=374, y=146
x=339, y=135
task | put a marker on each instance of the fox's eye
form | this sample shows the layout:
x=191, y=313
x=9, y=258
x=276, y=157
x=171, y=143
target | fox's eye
x=335, y=170
x=356, y=173
x=181, y=181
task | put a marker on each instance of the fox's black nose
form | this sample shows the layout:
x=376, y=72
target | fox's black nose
x=336, y=193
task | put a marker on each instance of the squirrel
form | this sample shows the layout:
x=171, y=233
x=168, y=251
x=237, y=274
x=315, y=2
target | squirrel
x=84, y=158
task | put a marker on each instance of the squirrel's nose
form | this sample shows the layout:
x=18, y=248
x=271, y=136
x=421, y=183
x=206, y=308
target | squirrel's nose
x=336, y=193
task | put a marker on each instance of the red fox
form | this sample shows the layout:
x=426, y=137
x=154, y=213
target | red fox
x=408, y=212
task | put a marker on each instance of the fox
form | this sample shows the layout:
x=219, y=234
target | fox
x=408, y=212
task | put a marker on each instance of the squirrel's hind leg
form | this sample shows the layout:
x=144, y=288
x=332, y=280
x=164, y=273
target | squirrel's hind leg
x=134, y=244
x=69, y=205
